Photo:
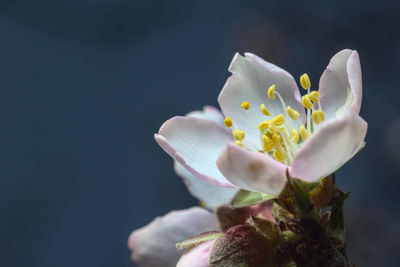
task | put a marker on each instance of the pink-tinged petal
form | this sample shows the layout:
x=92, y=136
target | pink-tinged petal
x=208, y=113
x=330, y=147
x=263, y=210
x=196, y=143
x=154, y=244
x=252, y=171
x=213, y=196
x=251, y=77
x=341, y=85
x=197, y=256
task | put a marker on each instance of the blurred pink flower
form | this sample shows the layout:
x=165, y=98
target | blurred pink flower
x=271, y=129
x=154, y=244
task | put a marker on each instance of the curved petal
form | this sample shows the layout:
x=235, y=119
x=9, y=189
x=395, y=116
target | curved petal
x=340, y=85
x=154, y=244
x=251, y=77
x=208, y=113
x=330, y=147
x=197, y=256
x=213, y=196
x=195, y=143
x=252, y=171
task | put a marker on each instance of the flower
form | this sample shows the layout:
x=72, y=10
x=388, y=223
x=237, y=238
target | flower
x=270, y=128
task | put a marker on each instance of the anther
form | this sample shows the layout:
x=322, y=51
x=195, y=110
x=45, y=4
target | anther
x=318, y=116
x=264, y=110
x=295, y=136
x=294, y=114
x=278, y=120
x=314, y=96
x=245, y=105
x=305, y=81
x=271, y=91
x=304, y=133
x=306, y=102
x=264, y=125
x=279, y=155
x=228, y=122
x=238, y=135
x=276, y=139
x=239, y=143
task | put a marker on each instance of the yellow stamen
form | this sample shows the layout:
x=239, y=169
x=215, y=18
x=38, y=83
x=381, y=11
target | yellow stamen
x=314, y=96
x=239, y=143
x=276, y=139
x=318, y=116
x=264, y=125
x=245, y=105
x=228, y=122
x=295, y=136
x=304, y=133
x=294, y=114
x=278, y=120
x=264, y=110
x=271, y=91
x=279, y=155
x=305, y=81
x=306, y=102
x=268, y=147
x=238, y=134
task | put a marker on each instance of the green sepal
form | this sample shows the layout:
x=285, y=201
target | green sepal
x=336, y=220
x=198, y=239
x=246, y=198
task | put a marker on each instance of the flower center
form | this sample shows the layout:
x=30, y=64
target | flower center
x=277, y=138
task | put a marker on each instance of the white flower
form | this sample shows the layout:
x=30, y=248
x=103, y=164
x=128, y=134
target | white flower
x=269, y=130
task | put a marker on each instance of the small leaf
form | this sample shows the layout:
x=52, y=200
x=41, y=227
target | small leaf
x=324, y=193
x=246, y=198
x=242, y=246
x=266, y=228
x=228, y=216
x=196, y=240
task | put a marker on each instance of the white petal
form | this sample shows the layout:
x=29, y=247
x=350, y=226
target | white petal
x=209, y=113
x=197, y=256
x=154, y=244
x=251, y=77
x=340, y=85
x=196, y=143
x=330, y=147
x=213, y=196
x=252, y=171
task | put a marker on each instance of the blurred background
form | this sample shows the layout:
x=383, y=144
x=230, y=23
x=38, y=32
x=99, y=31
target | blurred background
x=85, y=84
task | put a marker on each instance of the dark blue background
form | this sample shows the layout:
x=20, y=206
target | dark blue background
x=85, y=84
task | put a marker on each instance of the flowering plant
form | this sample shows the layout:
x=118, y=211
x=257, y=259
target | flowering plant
x=269, y=166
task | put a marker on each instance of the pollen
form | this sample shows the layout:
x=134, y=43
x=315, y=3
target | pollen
x=304, y=133
x=314, y=96
x=264, y=110
x=305, y=81
x=238, y=135
x=294, y=114
x=318, y=116
x=295, y=136
x=279, y=155
x=306, y=102
x=245, y=105
x=271, y=91
x=228, y=122
x=278, y=120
